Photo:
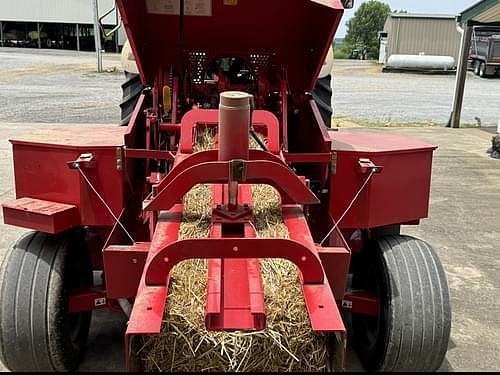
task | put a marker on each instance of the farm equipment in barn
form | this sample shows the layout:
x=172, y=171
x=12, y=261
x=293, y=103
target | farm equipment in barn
x=108, y=200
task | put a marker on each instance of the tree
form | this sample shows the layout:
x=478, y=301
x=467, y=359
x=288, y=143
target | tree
x=363, y=28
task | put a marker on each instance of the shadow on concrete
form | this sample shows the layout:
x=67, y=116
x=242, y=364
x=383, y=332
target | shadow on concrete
x=105, y=348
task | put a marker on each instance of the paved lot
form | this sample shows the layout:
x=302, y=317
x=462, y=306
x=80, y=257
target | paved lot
x=464, y=228
x=463, y=223
x=363, y=93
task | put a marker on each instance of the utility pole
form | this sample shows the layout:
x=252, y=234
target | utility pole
x=458, y=98
x=39, y=31
x=1, y=34
x=78, y=37
x=97, y=36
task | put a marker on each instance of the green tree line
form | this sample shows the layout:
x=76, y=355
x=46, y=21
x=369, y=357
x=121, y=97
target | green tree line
x=362, y=38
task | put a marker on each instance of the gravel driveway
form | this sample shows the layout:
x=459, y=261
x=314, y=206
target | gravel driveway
x=62, y=87
x=58, y=87
x=362, y=92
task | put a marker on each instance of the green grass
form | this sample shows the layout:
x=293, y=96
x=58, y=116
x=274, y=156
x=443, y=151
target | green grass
x=377, y=64
x=341, y=51
x=341, y=54
x=347, y=123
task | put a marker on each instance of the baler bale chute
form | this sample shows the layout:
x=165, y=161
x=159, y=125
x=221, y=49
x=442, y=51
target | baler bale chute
x=114, y=201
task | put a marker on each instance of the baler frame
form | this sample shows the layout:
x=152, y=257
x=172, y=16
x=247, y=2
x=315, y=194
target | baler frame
x=124, y=187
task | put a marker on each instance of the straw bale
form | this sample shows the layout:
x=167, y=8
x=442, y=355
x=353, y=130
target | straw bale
x=287, y=344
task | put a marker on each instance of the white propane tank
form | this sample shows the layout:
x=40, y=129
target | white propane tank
x=421, y=62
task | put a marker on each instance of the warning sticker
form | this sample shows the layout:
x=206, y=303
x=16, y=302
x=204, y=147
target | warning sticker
x=202, y=8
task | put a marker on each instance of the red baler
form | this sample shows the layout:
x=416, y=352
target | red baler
x=109, y=199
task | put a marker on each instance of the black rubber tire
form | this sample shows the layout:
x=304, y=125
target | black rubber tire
x=36, y=332
x=132, y=89
x=413, y=329
x=322, y=95
x=476, y=67
x=482, y=70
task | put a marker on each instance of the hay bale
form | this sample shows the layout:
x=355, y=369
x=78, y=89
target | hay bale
x=288, y=343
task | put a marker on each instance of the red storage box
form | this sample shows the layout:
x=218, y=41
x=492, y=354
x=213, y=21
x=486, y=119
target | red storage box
x=398, y=195
x=41, y=170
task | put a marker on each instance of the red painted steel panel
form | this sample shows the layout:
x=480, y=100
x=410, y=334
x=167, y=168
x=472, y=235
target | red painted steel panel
x=123, y=268
x=399, y=194
x=261, y=120
x=377, y=143
x=162, y=260
x=41, y=171
x=361, y=302
x=149, y=306
x=291, y=189
x=185, y=161
x=319, y=297
x=148, y=311
x=235, y=300
x=322, y=308
x=87, y=300
x=227, y=310
x=253, y=26
x=336, y=261
x=43, y=216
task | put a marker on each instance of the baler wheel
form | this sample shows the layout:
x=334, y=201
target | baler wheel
x=482, y=70
x=36, y=331
x=132, y=89
x=322, y=95
x=477, y=65
x=412, y=330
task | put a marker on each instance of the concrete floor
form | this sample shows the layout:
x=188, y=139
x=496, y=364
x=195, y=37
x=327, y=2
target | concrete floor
x=463, y=223
x=463, y=226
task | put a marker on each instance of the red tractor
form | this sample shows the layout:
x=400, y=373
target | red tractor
x=108, y=199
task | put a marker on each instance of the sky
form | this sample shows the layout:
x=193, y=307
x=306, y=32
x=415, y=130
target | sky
x=413, y=6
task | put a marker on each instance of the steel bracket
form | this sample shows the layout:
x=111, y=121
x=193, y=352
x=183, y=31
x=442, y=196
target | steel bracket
x=237, y=171
x=84, y=161
x=366, y=166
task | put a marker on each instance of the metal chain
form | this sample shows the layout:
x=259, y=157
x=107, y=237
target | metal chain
x=105, y=204
x=349, y=207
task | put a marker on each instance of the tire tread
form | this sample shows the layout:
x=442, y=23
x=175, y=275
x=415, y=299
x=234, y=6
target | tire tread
x=30, y=338
x=418, y=308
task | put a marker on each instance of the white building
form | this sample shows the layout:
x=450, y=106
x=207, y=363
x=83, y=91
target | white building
x=64, y=24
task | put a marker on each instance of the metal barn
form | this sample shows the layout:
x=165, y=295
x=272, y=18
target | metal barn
x=414, y=34
x=61, y=24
